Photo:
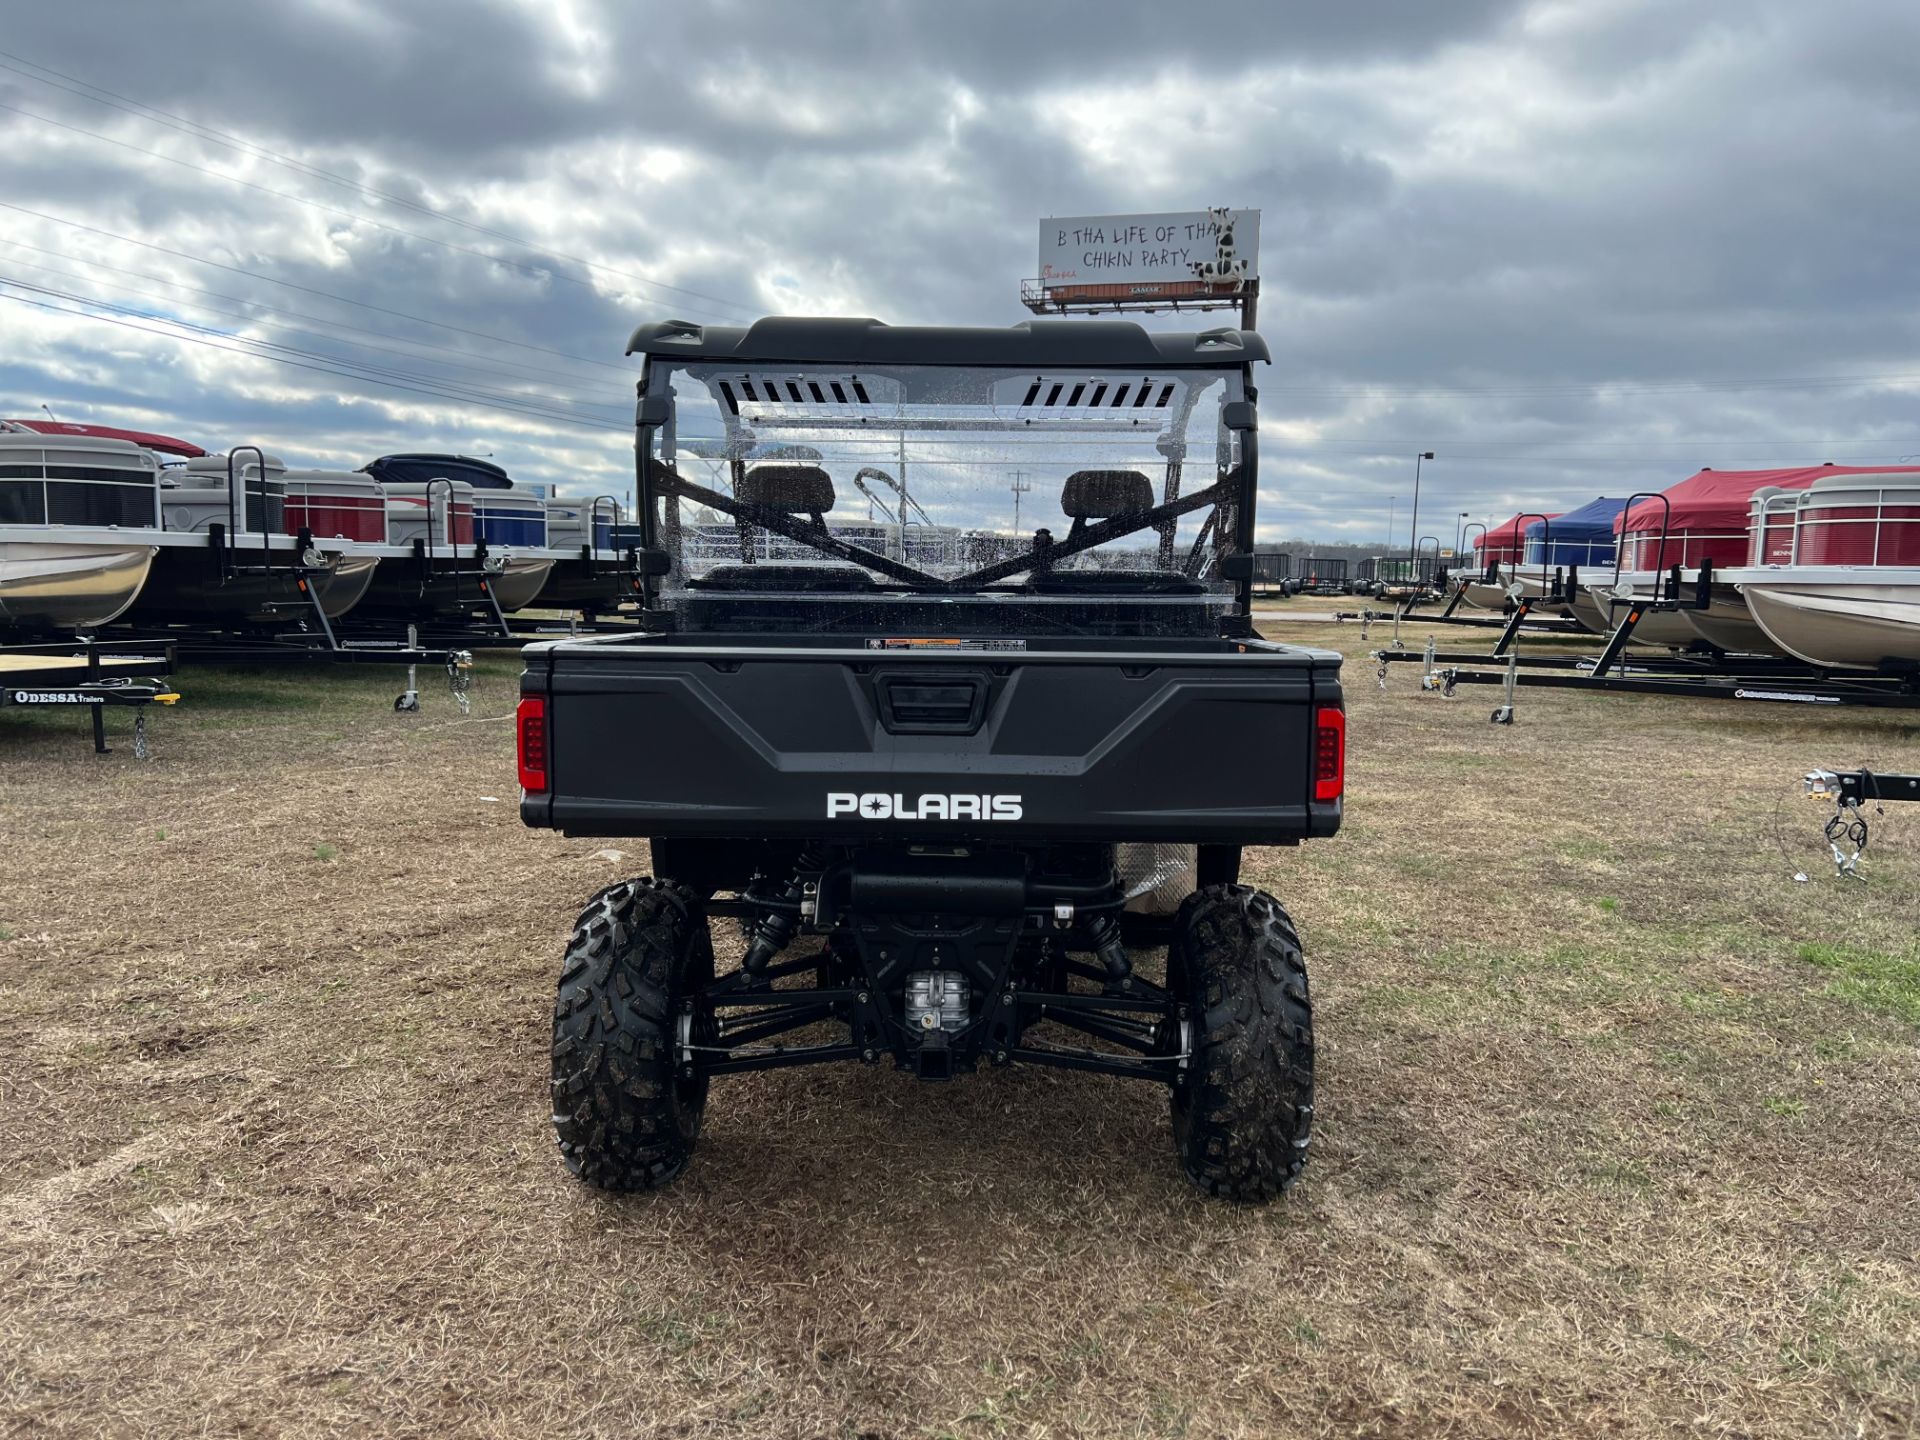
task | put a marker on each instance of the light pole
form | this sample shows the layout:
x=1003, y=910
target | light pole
x=1414, y=525
x=1459, y=534
x=1392, y=500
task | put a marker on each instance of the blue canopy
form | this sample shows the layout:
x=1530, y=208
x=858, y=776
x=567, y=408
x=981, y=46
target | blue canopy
x=1580, y=537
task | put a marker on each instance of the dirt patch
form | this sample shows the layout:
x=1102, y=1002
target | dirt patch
x=1615, y=1131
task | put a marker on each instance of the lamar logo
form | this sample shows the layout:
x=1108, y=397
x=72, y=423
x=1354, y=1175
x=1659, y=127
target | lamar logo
x=875, y=806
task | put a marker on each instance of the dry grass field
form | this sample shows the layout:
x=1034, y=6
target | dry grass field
x=1618, y=1132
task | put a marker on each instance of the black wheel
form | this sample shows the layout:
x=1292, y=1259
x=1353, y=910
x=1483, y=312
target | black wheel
x=1244, y=1108
x=625, y=1116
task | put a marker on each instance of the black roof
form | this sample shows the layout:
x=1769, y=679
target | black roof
x=482, y=472
x=794, y=339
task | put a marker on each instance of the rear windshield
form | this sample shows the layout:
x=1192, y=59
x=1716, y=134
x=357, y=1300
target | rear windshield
x=930, y=477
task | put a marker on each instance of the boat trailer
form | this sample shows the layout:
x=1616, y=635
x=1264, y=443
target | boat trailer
x=1518, y=620
x=1703, y=673
x=47, y=676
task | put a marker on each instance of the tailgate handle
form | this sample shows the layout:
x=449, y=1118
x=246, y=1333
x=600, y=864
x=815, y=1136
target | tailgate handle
x=932, y=704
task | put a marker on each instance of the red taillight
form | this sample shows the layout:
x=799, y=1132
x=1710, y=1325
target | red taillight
x=530, y=723
x=1329, y=753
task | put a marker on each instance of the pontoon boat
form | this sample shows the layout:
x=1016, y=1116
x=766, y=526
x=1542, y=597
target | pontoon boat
x=510, y=524
x=1837, y=575
x=590, y=573
x=1497, y=552
x=1562, y=552
x=226, y=555
x=79, y=521
x=1703, y=518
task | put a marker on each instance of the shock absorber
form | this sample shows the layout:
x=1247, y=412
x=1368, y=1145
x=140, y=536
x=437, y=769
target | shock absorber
x=1104, y=931
x=775, y=930
x=770, y=937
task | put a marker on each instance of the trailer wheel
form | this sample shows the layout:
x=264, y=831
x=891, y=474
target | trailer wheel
x=626, y=1115
x=1243, y=1108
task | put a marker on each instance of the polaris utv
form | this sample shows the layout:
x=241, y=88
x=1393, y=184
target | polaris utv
x=948, y=697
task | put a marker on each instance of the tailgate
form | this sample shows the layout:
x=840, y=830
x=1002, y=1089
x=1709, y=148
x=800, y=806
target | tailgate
x=671, y=742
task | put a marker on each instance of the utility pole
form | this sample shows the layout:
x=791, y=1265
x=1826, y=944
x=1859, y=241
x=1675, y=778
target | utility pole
x=1020, y=486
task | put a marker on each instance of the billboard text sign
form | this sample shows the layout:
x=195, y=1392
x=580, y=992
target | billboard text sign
x=1204, y=245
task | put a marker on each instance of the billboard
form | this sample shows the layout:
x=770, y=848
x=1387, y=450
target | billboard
x=1180, y=247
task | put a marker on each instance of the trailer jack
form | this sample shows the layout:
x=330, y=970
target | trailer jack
x=1846, y=829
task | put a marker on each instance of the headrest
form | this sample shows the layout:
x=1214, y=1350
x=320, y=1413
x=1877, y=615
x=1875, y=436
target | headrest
x=1102, y=494
x=797, y=489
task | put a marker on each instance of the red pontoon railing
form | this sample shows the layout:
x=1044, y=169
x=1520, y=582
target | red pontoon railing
x=1857, y=524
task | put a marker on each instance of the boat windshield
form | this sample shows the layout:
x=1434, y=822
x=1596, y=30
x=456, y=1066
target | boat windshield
x=945, y=478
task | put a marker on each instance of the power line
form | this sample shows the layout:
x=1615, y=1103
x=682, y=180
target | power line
x=546, y=271
x=295, y=330
x=241, y=349
x=1586, y=388
x=1643, y=451
x=309, y=290
x=879, y=441
x=101, y=95
x=1269, y=446
x=535, y=413
x=1640, y=460
x=521, y=371
x=207, y=132
x=327, y=364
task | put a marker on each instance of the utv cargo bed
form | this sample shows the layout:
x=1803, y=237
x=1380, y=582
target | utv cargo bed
x=673, y=738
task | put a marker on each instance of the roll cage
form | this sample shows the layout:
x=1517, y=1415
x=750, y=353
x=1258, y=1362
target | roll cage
x=1042, y=378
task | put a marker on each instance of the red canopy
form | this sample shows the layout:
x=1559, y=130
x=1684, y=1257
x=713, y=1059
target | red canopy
x=1506, y=538
x=143, y=438
x=1719, y=500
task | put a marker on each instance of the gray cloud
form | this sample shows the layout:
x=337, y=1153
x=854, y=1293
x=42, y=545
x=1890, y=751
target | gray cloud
x=1572, y=249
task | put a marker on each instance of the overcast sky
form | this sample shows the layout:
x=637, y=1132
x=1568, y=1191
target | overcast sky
x=1573, y=248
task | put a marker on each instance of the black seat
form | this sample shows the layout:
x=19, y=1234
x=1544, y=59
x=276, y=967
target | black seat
x=766, y=579
x=1103, y=494
x=796, y=489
